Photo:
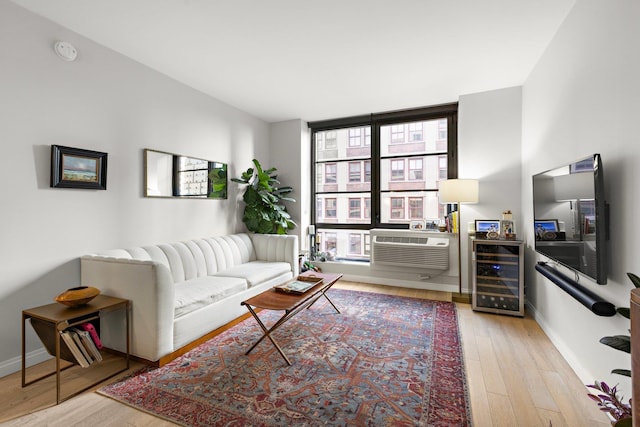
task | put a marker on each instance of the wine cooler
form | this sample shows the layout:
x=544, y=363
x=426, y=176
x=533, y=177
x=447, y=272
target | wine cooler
x=497, y=276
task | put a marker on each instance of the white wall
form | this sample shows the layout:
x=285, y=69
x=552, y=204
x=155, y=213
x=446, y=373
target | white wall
x=105, y=102
x=290, y=154
x=489, y=138
x=583, y=97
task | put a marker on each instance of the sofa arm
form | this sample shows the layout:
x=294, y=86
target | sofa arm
x=277, y=247
x=149, y=287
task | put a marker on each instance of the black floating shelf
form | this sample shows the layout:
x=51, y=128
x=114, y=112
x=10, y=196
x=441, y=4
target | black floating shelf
x=587, y=298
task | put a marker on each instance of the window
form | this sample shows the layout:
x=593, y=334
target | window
x=355, y=139
x=330, y=173
x=331, y=141
x=415, y=208
x=442, y=129
x=415, y=169
x=355, y=174
x=397, y=170
x=367, y=244
x=397, y=207
x=355, y=243
x=354, y=208
x=330, y=242
x=397, y=134
x=381, y=171
x=367, y=135
x=330, y=210
x=442, y=167
x=415, y=131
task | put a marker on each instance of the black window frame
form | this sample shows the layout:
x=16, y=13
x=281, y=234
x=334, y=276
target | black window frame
x=375, y=121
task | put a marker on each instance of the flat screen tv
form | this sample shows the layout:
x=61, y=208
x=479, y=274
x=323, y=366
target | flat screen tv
x=570, y=217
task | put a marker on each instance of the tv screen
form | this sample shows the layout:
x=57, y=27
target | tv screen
x=570, y=218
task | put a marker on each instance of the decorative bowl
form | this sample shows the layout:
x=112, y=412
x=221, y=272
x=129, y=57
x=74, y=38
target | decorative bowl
x=78, y=296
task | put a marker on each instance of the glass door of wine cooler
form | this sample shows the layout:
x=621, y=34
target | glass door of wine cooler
x=498, y=276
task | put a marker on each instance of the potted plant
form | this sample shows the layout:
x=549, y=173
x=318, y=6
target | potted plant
x=264, y=211
x=609, y=402
x=608, y=399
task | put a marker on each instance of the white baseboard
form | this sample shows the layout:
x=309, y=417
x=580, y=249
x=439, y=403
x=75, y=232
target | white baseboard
x=443, y=287
x=574, y=362
x=14, y=364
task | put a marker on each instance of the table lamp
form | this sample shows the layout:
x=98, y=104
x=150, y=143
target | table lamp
x=459, y=191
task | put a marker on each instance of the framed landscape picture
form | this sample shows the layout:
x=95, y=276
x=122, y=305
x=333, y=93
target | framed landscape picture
x=487, y=225
x=546, y=225
x=78, y=168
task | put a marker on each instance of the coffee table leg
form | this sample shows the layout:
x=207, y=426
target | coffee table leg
x=324, y=293
x=331, y=302
x=267, y=334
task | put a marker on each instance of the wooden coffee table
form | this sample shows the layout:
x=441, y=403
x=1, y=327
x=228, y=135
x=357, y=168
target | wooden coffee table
x=291, y=304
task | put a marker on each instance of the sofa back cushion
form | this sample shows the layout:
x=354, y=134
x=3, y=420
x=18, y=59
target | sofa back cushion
x=194, y=258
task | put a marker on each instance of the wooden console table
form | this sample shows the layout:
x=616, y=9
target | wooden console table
x=57, y=318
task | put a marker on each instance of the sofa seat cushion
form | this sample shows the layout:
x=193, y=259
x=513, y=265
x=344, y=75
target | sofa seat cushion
x=193, y=294
x=257, y=272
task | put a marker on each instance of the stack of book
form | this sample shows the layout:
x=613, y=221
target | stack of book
x=79, y=344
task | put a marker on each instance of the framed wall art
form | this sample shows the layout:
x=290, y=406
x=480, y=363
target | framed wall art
x=78, y=168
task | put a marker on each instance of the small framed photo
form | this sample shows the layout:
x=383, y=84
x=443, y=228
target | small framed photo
x=78, y=168
x=507, y=227
x=431, y=224
x=416, y=225
x=542, y=225
x=487, y=225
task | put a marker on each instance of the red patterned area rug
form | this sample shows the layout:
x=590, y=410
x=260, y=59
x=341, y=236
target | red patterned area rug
x=384, y=361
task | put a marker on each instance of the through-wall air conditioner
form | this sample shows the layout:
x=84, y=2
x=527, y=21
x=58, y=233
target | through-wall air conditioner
x=409, y=249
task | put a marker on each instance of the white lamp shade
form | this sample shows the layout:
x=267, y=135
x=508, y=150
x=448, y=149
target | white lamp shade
x=459, y=191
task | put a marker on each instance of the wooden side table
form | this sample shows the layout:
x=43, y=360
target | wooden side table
x=57, y=318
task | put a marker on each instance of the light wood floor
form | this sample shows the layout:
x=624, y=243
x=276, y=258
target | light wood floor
x=516, y=377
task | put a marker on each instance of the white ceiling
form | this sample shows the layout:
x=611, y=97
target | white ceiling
x=321, y=59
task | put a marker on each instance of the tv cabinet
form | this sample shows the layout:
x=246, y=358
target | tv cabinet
x=498, y=285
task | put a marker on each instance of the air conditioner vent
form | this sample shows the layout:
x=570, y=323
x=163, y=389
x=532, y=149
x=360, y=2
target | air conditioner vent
x=403, y=239
x=429, y=253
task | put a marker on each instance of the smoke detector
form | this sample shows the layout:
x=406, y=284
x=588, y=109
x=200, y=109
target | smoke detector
x=66, y=51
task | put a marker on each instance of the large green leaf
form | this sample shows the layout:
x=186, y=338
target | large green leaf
x=619, y=342
x=624, y=311
x=251, y=196
x=634, y=279
x=625, y=372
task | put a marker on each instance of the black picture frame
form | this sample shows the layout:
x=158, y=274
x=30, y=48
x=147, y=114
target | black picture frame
x=487, y=225
x=78, y=168
x=546, y=225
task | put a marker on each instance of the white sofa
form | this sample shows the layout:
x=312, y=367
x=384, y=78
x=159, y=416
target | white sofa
x=179, y=292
